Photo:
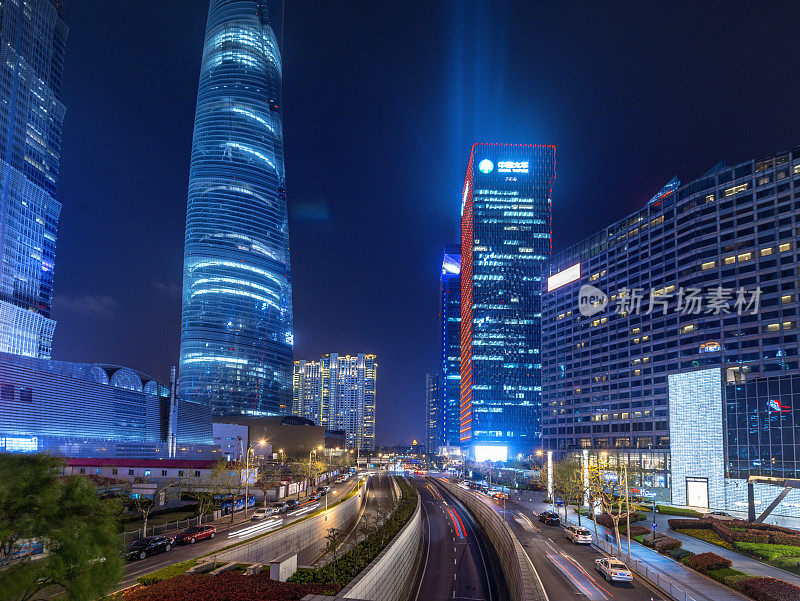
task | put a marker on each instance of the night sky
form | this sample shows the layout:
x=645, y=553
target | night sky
x=381, y=102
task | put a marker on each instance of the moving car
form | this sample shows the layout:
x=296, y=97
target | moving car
x=499, y=495
x=281, y=507
x=150, y=545
x=719, y=515
x=291, y=504
x=191, y=535
x=578, y=534
x=613, y=569
x=314, y=496
x=262, y=513
x=549, y=518
x=324, y=489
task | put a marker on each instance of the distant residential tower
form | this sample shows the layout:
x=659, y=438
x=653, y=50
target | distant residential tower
x=338, y=392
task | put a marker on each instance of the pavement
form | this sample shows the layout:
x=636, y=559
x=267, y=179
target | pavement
x=456, y=560
x=697, y=586
x=229, y=533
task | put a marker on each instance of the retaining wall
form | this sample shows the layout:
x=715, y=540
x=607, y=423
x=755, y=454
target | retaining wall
x=307, y=535
x=521, y=578
x=390, y=576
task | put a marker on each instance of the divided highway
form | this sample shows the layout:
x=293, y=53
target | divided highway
x=456, y=560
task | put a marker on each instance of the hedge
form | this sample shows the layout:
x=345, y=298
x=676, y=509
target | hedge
x=349, y=565
x=720, y=574
x=635, y=530
x=703, y=562
x=682, y=524
x=769, y=589
x=678, y=553
x=605, y=520
x=166, y=572
x=769, y=552
x=229, y=585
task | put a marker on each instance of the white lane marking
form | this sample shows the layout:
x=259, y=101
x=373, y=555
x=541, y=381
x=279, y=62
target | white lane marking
x=304, y=510
x=256, y=529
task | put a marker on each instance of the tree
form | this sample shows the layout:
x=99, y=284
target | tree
x=269, y=475
x=144, y=505
x=226, y=481
x=569, y=483
x=79, y=530
x=608, y=485
x=333, y=537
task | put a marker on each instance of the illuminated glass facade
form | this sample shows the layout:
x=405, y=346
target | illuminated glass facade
x=32, y=39
x=433, y=409
x=506, y=238
x=236, y=331
x=606, y=375
x=338, y=392
x=92, y=410
x=450, y=341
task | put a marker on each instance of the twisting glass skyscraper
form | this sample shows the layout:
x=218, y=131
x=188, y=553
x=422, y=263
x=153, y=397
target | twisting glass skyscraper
x=236, y=331
x=32, y=38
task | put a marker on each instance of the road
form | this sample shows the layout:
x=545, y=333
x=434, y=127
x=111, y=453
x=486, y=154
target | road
x=229, y=534
x=457, y=563
x=567, y=570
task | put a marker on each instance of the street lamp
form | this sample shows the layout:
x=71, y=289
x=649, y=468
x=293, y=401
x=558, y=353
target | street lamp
x=252, y=448
x=314, y=451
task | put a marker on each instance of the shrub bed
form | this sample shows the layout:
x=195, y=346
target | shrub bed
x=605, y=520
x=678, y=553
x=733, y=581
x=635, y=530
x=661, y=542
x=703, y=562
x=769, y=589
x=721, y=574
x=358, y=557
x=679, y=524
x=707, y=535
x=227, y=586
x=769, y=552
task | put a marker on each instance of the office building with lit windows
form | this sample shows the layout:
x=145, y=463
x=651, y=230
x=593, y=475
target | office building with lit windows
x=338, y=392
x=236, y=329
x=32, y=42
x=506, y=235
x=450, y=345
x=670, y=338
x=433, y=409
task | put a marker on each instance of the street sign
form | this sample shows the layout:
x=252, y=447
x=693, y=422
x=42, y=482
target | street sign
x=655, y=526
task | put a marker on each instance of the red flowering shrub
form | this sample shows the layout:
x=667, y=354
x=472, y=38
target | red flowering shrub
x=230, y=586
x=680, y=524
x=661, y=543
x=639, y=530
x=769, y=589
x=785, y=539
x=703, y=562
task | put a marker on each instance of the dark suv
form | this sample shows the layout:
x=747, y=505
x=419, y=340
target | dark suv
x=549, y=518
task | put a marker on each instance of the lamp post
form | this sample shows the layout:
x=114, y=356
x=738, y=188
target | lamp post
x=314, y=451
x=252, y=448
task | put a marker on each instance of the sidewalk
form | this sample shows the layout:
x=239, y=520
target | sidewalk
x=740, y=562
x=670, y=576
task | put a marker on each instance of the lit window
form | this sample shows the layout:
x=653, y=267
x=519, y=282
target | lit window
x=687, y=329
x=729, y=260
x=736, y=189
x=786, y=299
x=745, y=257
x=784, y=247
x=766, y=251
x=788, y=325
x=709, y=265
x=146, y=472
x=773, y=327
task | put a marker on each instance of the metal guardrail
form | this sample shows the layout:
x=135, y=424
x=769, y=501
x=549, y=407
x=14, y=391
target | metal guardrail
x=161, y=529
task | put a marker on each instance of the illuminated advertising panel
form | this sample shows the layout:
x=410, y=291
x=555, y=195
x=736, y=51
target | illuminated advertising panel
x=491, y=453
x=564, y=277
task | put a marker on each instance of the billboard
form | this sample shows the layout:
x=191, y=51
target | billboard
x=564, y=277
x=491, y=453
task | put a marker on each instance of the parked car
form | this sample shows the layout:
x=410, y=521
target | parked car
x=324, y=490
x=150, y=545
x=613, y=569
x=291, y=504
x=281, y=506
x=549, y=518
x=262, y=513
x=578, y=534
x=719, y=515
x=499, y=495
x=314, y=496
x=191, y=535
